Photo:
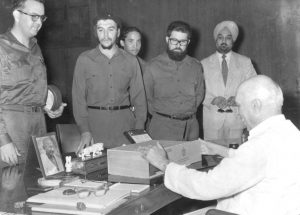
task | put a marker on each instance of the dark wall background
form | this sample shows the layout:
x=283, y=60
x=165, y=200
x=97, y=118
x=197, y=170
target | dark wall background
x=269, y=32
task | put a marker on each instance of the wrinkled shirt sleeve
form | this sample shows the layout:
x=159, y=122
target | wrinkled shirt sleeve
x=200, y=87
x=4, y=137
x=138, y=97
x=241, y=170
x=79, y=96
x=149, y=87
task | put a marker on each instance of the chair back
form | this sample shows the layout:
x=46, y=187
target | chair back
x=68, y=136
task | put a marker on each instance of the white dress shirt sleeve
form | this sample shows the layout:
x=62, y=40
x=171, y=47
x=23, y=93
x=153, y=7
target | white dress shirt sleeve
x=242, y=169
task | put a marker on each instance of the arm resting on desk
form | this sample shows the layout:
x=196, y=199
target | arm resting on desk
x=209, y=148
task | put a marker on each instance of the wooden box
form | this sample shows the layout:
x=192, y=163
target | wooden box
x=89, y=165
x=127, y=160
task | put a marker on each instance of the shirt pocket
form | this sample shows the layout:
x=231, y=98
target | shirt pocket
x=188, y=87
x=96, y=83
x=14, y=71
x=165, y=87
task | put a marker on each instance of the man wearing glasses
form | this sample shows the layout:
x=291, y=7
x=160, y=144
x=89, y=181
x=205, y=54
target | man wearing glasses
x=23, y=83
x=174, y=87
x=223, y=72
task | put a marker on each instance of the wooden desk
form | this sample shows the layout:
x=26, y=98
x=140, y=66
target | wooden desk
x=15, y=181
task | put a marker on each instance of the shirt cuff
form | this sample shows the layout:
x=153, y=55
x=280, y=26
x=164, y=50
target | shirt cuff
x=171, y=173
x=5, y=139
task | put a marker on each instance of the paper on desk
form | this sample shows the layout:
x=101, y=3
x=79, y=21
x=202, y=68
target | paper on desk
x=62, y=209
x=133, y=188
x=56, y=197
x=80, y=183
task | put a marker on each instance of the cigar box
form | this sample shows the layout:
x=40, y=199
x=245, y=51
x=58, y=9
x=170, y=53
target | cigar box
x=127, y=160
x=90, y=165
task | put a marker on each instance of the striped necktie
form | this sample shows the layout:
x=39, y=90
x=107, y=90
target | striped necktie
x=224, y=69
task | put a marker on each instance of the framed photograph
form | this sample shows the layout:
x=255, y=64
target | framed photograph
x=48, y=154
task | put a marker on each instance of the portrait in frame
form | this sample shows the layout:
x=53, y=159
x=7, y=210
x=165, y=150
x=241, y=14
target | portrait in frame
x=48, y=154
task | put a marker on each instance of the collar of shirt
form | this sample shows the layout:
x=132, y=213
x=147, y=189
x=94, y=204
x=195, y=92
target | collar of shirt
x=227, y=58
x=12, y=38
x=264, y=125
x=96, y=53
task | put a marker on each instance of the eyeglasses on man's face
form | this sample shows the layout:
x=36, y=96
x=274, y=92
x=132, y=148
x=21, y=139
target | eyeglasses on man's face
x=174, y=41
x=35, y=17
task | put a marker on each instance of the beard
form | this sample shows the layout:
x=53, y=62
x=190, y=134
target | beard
x=107, y=47
x=223, y=48
x=176, y=55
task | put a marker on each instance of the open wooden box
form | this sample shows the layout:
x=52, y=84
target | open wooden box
x=127, y=160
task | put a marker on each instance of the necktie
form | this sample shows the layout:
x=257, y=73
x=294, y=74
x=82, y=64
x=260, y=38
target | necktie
x=224, y=69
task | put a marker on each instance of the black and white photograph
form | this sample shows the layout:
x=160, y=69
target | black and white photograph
x=199, y=99
x=48, y=154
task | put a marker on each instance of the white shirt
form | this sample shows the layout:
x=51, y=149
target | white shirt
x=261, y=177
x=227, y=58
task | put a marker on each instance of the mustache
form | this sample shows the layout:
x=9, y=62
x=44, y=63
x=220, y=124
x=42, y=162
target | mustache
x=177, y=49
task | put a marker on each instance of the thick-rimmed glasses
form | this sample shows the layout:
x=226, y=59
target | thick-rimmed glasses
x=35, y=17
x=174, y=41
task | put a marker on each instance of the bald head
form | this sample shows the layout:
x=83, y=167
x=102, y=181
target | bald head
x=260, y=98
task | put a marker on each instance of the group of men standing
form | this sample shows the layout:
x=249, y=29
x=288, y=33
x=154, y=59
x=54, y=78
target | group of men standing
x=111, y=95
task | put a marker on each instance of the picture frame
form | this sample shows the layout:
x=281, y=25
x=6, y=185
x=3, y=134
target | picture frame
x=48, y=154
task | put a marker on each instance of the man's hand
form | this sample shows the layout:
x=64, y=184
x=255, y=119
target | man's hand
x=56, y=113
x=220, y=102
x=156, y=155
x=10, y=177
x=9, y=154
x=231, y=101
x=86, y=140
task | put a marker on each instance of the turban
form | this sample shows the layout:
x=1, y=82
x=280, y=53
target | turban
x=230, y=25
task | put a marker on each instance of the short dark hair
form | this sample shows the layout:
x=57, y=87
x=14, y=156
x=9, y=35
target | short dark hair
x=106, y=16
x=179, y=26
x=18, y=4
x=128, y=30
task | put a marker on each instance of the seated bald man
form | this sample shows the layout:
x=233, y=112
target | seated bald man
x=262, y=176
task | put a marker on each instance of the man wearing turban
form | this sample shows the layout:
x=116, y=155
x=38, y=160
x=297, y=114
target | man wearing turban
x=223, y=72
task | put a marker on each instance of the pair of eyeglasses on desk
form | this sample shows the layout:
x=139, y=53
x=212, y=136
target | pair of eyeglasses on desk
x=225, y=111
x=83, y=193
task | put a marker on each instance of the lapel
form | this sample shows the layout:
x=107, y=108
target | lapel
x=232, y=68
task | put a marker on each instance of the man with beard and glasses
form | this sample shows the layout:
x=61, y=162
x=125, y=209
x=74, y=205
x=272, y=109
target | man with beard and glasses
x=223, y=72
x=23, y=83
x=174, y=88
x=107, y=83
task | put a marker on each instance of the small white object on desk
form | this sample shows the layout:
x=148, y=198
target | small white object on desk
x=95, y=149
x=68, y=164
